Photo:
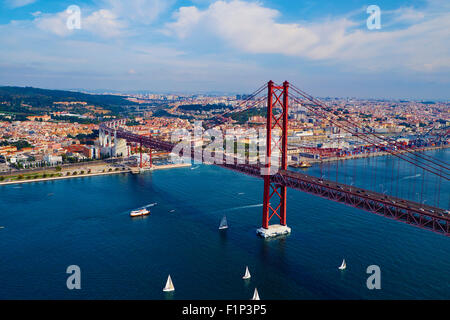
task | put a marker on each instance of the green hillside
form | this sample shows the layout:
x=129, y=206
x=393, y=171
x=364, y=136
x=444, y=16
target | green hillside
x=41, y=101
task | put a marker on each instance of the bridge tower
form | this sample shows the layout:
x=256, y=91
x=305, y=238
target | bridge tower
x=274, y=203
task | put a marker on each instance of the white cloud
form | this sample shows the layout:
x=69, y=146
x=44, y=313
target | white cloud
x=102, y=22
x=187, y=17
x=19, y=3
x=54, y=23
x=111, y=20
x=249, y=26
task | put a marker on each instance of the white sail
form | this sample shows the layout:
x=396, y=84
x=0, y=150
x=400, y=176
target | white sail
x=247, y=274
x=343, y=265
x=169, y=285
x=223, y=223
x=256, y=295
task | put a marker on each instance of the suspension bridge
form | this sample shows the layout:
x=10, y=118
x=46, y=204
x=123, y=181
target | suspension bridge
x=277, y=98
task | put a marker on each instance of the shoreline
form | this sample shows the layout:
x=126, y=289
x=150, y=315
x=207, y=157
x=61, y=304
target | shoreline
x=368, y=155
x=129, y=170
x=65, y=177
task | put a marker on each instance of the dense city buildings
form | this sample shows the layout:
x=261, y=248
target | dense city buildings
x=54, y=137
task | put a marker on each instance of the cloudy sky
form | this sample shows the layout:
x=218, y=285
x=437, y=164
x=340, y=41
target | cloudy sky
x=323, y=47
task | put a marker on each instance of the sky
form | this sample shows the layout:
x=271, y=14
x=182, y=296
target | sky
x=231, y=46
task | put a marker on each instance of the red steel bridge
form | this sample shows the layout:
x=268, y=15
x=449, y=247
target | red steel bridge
x=277, y=98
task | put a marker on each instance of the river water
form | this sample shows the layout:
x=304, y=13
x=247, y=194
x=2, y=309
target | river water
x=48, y=226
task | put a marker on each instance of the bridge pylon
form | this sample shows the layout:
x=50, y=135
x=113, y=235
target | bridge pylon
x=274, y=203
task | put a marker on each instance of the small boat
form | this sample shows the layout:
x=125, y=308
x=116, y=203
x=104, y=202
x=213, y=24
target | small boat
x=343, y=265
x=256, y=295
x=169, y=285
x=223, y=224
x=140, y=212
x=247, y=274
x=304, y=165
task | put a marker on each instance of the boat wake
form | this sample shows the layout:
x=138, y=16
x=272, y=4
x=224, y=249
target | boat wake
x=194, y=168
x=411, y=177
x=242, y=207
x=150, y=205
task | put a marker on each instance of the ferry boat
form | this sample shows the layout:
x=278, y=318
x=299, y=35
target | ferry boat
x=140, y=212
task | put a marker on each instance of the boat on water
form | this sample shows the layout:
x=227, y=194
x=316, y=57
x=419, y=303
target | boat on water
x=140, y=212
x=169, y=285
x=255, y=295
x=304, y=164
x=343, y=265
x=223, y=224
x=247, y=274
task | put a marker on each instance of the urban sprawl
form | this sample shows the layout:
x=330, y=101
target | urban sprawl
x=55, y=138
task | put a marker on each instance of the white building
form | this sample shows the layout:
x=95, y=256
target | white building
x=52, y=160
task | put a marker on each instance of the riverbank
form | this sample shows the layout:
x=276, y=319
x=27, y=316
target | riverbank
x=104, y=170
x=367, y=155
x=65, y=177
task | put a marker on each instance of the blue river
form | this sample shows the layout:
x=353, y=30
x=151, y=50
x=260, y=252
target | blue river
x=48, y=226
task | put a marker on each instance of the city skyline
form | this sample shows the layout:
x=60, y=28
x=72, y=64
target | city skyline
x=229, y=47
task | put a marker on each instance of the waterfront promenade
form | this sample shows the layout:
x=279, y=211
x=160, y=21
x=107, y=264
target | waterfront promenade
x=97, y=170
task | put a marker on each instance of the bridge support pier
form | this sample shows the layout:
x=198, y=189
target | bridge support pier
x=151, y=160
x=274, y=230
x=140, y=155
x=277, y=99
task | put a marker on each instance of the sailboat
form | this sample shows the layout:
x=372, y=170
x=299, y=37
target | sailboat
x=247, y=274
x=169, y=285
x=223, y=223
x=343, y=265
x=256, y=295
